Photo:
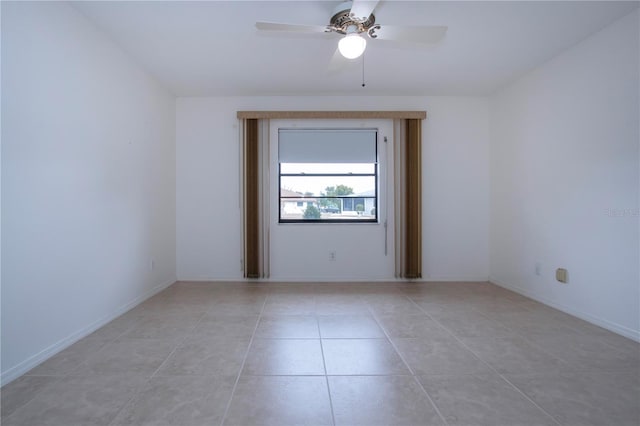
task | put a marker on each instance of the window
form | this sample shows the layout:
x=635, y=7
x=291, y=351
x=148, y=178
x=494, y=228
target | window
x=328, y=175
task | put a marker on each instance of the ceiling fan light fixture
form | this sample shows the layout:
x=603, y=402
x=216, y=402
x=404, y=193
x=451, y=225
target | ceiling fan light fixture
x=352, y=46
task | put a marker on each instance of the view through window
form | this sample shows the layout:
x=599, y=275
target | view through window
x=328, y=175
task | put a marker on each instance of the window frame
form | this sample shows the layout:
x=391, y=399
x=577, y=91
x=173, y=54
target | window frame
x=375, y=197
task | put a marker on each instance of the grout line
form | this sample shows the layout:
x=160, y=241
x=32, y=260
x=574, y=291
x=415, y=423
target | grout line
x=491, y=368
x=244, y=360
x=517, y=333
x=326, y=375
x=32, y=396
x=543, y=348
x=395, y=348
x=178, y=342
x=83, y=361
x=388, y=338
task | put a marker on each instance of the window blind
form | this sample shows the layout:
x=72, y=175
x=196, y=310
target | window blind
x=327, y=146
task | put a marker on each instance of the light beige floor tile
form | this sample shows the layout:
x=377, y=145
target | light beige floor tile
x=380, y=400
x=284, y=357
x=607, y=336
x=386, y=304
x=127, y=356
x=515, y=355
x=70, y=359
x=163, y=308
x=280, y=401
x=499, y=306
x=197, y=356
x=116, y=328
x=163, y=327
x=214, y=325
x=525, y=318
x=589, y=353
x=349, y=326
x=482, y=400
x=293, y=290
x=620, y=343
x=288, y=326
x=184, y=401
x=584, y=398
x=460, y=318
x=77, y=401
x=439, y=309
x=515, y=297
x=534, y=330
x=439, y=356
x=238, y=305
x=476, y=326
x=406, y=326
x=341, y=304
x=280, y=304
x=362, y=357
x=439, y=297
x=178, y=304
x=379, y=291
x=22, y=390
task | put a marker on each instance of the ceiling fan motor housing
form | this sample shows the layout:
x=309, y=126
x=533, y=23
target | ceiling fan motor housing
x=342, y=20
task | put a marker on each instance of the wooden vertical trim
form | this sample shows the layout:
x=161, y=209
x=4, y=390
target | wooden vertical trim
x=265, y=196
x=251, y=202
x=413, y=199
x=399, y=205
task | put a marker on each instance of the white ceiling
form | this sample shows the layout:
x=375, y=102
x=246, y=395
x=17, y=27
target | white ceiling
x=212, y=48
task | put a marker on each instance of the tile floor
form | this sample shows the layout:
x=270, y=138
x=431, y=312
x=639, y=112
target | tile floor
x=345, y=354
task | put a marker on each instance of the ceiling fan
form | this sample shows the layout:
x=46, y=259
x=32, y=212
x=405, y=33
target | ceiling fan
x=355, y=19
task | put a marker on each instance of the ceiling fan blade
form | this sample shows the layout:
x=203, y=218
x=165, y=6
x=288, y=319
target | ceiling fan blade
x=361, y=9
x=338, y=62
x=274, y=26
x=424, y=35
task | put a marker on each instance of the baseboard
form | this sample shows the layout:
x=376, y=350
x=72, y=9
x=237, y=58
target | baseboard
x=305, y=280
x=31, y=362
x=600, y=322
x=473, y=279
x=334, y=280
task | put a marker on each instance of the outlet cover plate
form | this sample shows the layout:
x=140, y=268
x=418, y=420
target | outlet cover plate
x=561, y=275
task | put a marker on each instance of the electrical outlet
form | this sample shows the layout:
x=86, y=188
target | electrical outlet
x=332, y=256
x=152, y=264
x=538, y=268
x=562, y=275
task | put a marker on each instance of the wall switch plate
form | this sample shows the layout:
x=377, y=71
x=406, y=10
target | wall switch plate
x=561, y=275
x=538, y=268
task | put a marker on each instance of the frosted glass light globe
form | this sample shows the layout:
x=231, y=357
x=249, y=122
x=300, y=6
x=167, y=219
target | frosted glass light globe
x=352, y=45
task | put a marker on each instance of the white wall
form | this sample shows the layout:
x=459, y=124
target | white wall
x=456, y=181
x=564, y=180
x=88, y=182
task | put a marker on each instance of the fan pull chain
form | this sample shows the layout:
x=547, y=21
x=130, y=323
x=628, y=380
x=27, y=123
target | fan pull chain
x=363, y=84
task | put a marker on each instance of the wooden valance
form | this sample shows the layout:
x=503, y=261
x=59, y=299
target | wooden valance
x=347, y=115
